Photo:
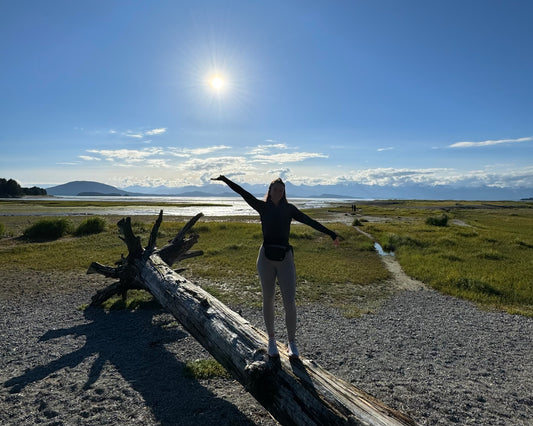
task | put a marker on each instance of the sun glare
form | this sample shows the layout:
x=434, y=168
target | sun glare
x=217, y=82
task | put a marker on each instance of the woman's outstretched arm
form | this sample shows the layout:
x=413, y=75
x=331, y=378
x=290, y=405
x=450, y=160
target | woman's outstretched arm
x=249, y=198
x=303, y=218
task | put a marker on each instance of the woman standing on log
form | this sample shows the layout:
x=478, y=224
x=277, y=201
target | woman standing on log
x=275, y=258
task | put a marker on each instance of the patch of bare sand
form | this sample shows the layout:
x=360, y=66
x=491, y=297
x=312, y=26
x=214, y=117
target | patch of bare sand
x=399, y=278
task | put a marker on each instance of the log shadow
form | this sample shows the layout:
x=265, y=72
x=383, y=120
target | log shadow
x=135, y=346
x=299, y=370
x=322, y=415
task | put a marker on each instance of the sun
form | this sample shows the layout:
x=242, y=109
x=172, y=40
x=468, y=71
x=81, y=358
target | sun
x=217, y=82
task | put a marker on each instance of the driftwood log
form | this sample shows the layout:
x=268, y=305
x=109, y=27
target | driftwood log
x=295, y=392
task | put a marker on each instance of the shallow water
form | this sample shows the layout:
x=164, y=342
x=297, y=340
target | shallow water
x=209, y=206
x=382, y=252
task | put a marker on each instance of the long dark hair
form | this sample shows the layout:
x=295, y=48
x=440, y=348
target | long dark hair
x=278, y=180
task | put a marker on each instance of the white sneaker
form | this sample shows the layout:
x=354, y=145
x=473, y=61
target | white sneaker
x=272, y=348
x=293, y=350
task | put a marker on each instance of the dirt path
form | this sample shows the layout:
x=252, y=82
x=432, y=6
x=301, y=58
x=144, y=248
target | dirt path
x=399, y=279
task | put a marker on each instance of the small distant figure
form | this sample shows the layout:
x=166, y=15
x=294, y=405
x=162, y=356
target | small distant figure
x=354, y=208
x=275, y=259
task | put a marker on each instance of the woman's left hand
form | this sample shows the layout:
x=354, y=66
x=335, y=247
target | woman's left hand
x=337, y=242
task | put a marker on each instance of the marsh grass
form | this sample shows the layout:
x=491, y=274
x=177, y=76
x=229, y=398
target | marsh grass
x=63, y=254
x=48, y=229
x=441, y=220
x=488, y=259
x=342, y=277
x=137, y=299
x=205, y=369
x=93, y=225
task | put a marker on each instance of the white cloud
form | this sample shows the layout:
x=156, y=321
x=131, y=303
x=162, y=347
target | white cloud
x=189, y=152
x=284, y=174
x=220, y=165
x=129, y=155
x=488, y=142
x=292, y=157
x=157, y=163
x=89, y=158
x=156, y=131
x=131, y=134
x=492, y=175
x=398, y=177
x=137, y=134
x=206, y=150
x=178, y=152
x=263, y=149
x=389, y=148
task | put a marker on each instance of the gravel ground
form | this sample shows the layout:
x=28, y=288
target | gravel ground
x=440, y=360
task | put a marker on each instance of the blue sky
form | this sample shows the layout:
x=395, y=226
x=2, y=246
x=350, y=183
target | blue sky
x=317, y=92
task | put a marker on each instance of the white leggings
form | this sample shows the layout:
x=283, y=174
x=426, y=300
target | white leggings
x=285, y=272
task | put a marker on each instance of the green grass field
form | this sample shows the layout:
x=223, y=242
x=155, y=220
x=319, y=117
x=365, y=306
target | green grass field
x=348, y=277
x=484, y=254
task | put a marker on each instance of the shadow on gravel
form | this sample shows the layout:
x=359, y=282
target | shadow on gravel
x=133, y=342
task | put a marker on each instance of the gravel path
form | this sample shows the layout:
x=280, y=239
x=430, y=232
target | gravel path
x=441, y=360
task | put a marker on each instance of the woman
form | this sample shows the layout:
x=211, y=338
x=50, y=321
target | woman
x=275, y=258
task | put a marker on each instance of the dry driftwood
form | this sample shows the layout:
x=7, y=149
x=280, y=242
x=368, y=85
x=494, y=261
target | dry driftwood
x=295, y=392
x=126, y=270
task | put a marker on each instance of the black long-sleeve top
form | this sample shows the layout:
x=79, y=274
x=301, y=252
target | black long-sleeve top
x=276, y=220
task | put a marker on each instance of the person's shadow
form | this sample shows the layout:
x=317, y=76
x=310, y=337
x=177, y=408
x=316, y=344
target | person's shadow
x=135, y=346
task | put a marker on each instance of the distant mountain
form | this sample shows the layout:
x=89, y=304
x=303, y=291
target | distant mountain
x=348, y=190
x=82, y=187
x=355, y=191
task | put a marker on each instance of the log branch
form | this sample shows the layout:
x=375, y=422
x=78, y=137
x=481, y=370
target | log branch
x=106, y=271
x=153, y=235
x=178, y=247
x=132, y=242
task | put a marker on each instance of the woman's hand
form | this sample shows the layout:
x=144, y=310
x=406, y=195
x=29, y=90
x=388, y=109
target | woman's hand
x=221, y=177
x=337, y=242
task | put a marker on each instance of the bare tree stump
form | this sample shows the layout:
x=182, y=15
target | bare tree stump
x=295, y=392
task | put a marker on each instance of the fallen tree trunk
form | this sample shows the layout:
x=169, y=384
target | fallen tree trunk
x=295, y=392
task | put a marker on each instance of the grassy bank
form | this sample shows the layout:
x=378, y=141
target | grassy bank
x=484, y=254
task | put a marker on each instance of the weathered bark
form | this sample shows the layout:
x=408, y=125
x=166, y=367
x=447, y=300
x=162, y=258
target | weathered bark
x=295, y=392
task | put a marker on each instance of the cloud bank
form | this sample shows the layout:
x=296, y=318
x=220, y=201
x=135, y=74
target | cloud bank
x=175, y=166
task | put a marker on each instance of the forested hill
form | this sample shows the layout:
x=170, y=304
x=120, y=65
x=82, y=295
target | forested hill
x=10, y=188
x=82, y=187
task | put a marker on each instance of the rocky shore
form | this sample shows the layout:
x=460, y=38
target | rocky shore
x=441, y=360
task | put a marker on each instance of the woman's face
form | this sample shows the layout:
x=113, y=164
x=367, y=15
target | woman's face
x=277, y=191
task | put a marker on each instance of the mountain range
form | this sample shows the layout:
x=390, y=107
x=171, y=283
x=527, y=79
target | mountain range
x=346, y=191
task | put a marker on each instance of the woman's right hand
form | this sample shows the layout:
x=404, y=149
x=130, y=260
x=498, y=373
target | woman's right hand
x=221, y=177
